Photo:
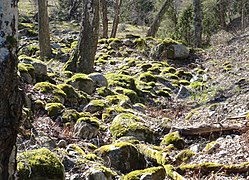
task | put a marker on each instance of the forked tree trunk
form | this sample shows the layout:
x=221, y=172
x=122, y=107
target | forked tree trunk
x=118, y=4
x=44, y=36
x=10, y=94
x=104, y=18
x=197, y=23
x=158, y=19
x=82, y=60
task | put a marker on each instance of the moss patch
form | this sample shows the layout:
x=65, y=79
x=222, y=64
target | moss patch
x=40, y=163
x=173, y=138
x=54, y=109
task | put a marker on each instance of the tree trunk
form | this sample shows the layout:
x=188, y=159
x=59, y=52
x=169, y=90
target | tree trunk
x=197, y=23
x=157, y=21
x=222, y=13
x=82, y=60
x=243, y=15
x=10, y=99
x=104, y=18
x=44, y=36
x=116, y=18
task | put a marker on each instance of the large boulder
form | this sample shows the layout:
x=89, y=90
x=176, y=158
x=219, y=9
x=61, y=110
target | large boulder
x=122, y=156
x=98, y=79
x=39, y=164
x=82, y=82
x=177, y=51
x=127, y=124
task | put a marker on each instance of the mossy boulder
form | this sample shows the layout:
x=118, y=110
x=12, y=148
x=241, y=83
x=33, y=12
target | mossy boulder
x=128, y=92
x=98, y=79
x=184, y=155
x=153, y=173
x=127, y=124
x=54, y=109
x=74, y=149
x=95, y=106
x=104, y=91
x=70, y=115
x=173, y=138
x=111, y=112
x=39, y=164
x=122, y=156
x=147, y=77
x=48, y=88
x=72, y=97
x=177, y=51
x=27, y=72
x=119, y=99
x=86, y=127
x=82, y=82
x=122, y=80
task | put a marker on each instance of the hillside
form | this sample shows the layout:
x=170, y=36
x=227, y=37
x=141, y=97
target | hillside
x=153, y=109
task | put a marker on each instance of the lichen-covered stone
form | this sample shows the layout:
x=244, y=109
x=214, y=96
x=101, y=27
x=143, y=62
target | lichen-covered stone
x=122, y=156
x=153, y=173
x=128, y=92
x=127, y=124
x=82, y=82
x=39, y=164
x=95, y=106
x=98, y=79
x=27, y=72
x=72, y=97
x=173, y=138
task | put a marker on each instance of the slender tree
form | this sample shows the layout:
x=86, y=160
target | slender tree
x=118, y=4
x=10, y=99
x=104, y=18
x=197, y=23
x=44, y=36
x=82, y=59
x=222, y=13
x=157, y=21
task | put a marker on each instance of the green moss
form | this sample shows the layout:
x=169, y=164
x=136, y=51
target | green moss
x=27, y=68
x=33, y=49
x=40, y=163
x=184, y=155
x=68, y=90
x=173, y=138
x=70, y=115
x=184, y=82
x=191, y=113
x=122, y=80
x=159, y=173
x=90, y=120
x=102, y=41
x=54, y=109
x=127, y=124
x=92, y=157
x=104, y=91
x=46, y=88
x=110, y=40
x=163, y=93
x=26, y=25
x=169, y=70
x=111, y=112
x=169, y=170
x=117, y=99
x=171, y=76
x=147, y=77
x=208, y=148
x=197, y=85
x=128, y=92
x=39, y=104
x=76, y=148
x=146, y=66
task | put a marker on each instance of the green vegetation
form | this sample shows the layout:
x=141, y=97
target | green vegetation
x=173, y=138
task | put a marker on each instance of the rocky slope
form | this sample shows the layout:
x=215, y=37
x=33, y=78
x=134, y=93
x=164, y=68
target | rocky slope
x=153, y=109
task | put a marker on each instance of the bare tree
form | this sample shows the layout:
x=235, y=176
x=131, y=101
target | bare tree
x=197, y=23
x=157, y=21
x=44, y=36
x=10, y=99
x=118, y=4
x=82, y=59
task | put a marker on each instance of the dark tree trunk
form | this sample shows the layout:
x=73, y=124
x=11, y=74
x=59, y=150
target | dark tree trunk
x=157, y=21
x=104, y=18
x=197, y=23
x=82, y=60
x=44, y=36
x=116, y=18
x=222, y=13
x=10, y=94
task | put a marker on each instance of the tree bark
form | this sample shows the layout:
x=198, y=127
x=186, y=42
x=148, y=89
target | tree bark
x=10, y=99
x=197, y=23
x=43, y=23
x=222, y=13
x=116, y=18
x=82, y=60
x=104, y=18
x=243, y=15
x=157, y=21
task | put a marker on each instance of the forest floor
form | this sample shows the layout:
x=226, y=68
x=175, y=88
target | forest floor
x=212, y=117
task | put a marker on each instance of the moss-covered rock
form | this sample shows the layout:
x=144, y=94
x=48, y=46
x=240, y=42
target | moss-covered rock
x=127, y=124
x=72, y=97
x=54, y=109
x=39, y=164
x=118, y=99
x=104, y=91
x=122, y=156
x=184, y=155
x=147, y=77
x=157, y=173
x=86, y=127
x=70, y=115
x=95, y=106
x=122, y=80
x=128, y=92
x=173, y=138
x=27, y=72
x=111, y=112
x=74, y=149
x=82, y=82
x=48, y=88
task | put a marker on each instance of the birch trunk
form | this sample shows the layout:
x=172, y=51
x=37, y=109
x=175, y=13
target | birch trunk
x=10, y=99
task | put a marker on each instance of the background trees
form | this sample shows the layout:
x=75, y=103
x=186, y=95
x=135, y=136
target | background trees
x=11, y=98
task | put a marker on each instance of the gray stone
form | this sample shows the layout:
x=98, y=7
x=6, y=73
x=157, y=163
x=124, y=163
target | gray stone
x=177, y=51
x=183, y=93
x=85, y=130
x=40, y=68
x=98, y=79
